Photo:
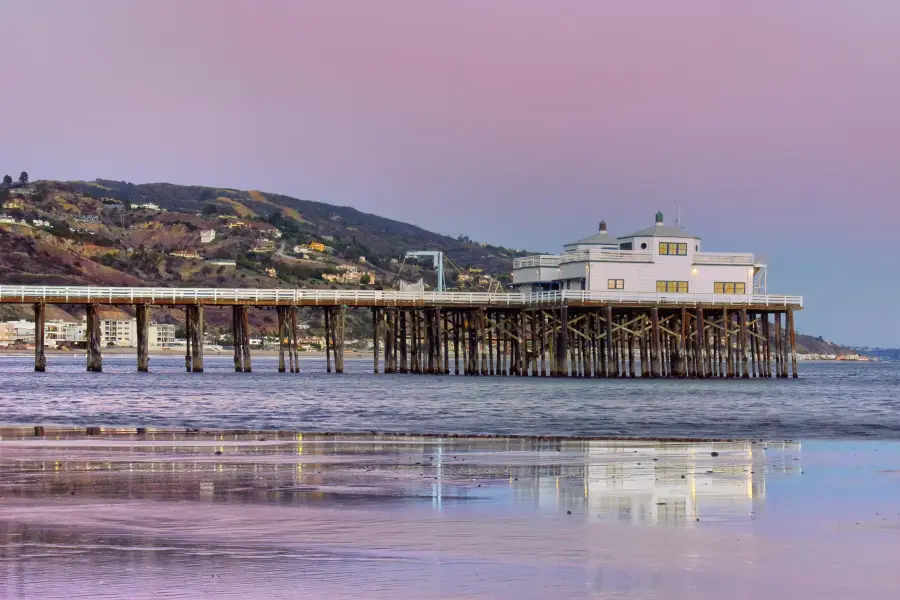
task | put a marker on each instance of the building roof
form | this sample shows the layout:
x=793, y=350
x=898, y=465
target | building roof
x=660, y=229
x=601, y=238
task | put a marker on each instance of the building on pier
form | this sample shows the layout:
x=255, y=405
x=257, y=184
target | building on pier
x=659, y=258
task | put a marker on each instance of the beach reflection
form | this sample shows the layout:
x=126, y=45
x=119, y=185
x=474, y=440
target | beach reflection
x=247, y=515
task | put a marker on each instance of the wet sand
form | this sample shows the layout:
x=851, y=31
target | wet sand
x=281, y=515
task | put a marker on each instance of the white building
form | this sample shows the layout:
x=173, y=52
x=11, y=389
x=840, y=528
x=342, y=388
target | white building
x=207, y=235
x=123, y=333
x=656, y=259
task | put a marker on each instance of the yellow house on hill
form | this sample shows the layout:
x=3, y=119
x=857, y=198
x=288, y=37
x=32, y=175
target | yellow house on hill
x=316, y=246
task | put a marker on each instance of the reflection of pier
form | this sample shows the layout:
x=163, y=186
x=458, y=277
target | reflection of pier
x=640, y=482
x=587, y=333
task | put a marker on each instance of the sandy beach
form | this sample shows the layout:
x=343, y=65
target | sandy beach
x=263, y=514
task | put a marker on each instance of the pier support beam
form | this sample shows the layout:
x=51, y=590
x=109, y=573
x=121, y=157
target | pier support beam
x=40, y=317
x=281, y=314
x=745, y=368
x=142, y=314
x=337, y=331
x=655, y=349
x=793, y=342
x=94, y=360
x=295, y=357
x=194, y=356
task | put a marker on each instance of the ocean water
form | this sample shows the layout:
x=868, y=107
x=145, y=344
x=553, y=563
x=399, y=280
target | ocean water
x=829, y=401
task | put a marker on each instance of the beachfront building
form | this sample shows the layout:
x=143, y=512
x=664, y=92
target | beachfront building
x=122, y=333
x=659, y=258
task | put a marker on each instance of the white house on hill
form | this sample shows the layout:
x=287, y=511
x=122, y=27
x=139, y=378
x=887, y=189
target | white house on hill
x=659, y=258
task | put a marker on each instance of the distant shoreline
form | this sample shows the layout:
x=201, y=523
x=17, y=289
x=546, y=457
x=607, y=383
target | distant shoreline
x=161, y=353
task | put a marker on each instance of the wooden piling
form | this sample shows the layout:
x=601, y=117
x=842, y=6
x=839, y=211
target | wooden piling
x=142, y=317
x=245, y=339
x=94, y=359
x=778, y=341
x=188, y=338
x=237, y=339
x=40, y=318
x=328, y=328
x=745, y=367
x=295, y=358
x=281, y=314
x=655, y=348
x=196, y=338
x=793, y=342
x=700, y=344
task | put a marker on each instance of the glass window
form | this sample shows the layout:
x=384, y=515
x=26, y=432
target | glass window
x=740, y=288
x=625, y=246
x=616, y=284
x=718, y=288
x=729, y=288
x=672, y=287
x=682, y=249
x=663, y=248
x=660, y=286
x=682, y=287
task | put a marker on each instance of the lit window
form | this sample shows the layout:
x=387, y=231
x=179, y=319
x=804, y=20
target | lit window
x=673, y=287
x=615, y=284
x=672, y=249
x=729, y=287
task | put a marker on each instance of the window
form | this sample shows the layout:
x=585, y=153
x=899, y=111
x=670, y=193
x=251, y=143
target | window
x=616, y=284
x=672, y=287
x=625, y=246
x=672, y=249
x=729, y=287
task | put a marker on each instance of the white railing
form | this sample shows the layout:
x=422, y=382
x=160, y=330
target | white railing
x=628, y=256
x=545, y=260
x=121, y=295
x=723, y=258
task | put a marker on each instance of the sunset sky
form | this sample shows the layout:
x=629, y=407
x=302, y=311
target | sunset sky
x=773, y=123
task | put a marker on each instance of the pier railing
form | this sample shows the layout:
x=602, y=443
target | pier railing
x=298, y=297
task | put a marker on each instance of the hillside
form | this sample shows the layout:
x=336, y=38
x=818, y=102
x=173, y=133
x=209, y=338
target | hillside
x=98, y=232
x=116, y=233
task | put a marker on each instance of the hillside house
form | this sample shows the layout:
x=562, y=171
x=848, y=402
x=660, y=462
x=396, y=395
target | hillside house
x=146, y=206
x=659, y=258
x=14, y=203
x=188, y=254
x=263, y=246
x=316, y=246
x=207, y=235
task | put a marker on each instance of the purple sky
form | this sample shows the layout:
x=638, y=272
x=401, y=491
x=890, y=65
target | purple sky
x=521, y=122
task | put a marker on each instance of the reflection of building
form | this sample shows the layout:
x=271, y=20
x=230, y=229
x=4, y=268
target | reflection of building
x=650, y=483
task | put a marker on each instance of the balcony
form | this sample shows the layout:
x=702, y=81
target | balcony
x=627, y=256
x=545, y=260
x=724, y=258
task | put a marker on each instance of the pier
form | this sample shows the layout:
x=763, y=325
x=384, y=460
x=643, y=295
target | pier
x=562, y=333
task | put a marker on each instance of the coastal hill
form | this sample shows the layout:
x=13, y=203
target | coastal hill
x=123, y=234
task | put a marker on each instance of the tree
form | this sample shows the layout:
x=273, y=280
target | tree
x=7, y=180
x=365, y=279
x=209, y=209
x=23, y=178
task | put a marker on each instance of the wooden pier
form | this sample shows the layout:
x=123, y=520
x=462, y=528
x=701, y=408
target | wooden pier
x=555, y=334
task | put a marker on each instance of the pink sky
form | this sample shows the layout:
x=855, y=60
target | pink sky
x=518, y=122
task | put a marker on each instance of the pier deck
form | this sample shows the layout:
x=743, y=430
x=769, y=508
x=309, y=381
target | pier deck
x=562, y=333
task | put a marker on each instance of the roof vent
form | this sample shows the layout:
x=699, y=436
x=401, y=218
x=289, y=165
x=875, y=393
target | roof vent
x=659, y=217
x=603, y=226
